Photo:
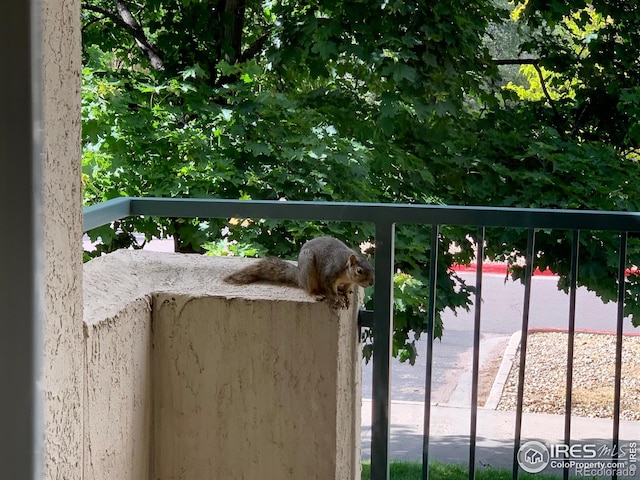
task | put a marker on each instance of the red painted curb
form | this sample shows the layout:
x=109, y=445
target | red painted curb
x=500, y=268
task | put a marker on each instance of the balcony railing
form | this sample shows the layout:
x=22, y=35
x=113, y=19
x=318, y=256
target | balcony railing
x=385, y=217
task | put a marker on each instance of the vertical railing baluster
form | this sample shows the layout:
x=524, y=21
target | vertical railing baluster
x=382, y=335
x=476, y=353
x=523, y=347
x=431, y=315
x=622, y=266
x=570, y=342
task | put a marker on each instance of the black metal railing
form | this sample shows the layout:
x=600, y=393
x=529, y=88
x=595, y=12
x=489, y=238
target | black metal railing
x=385, y=217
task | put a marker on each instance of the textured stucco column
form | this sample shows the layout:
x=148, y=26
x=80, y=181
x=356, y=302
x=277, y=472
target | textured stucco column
x=62, y=214
x=253, y=388
x=118, y=400
x=191, y=378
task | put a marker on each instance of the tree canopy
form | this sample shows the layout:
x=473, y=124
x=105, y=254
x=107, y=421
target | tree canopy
x=368, y=100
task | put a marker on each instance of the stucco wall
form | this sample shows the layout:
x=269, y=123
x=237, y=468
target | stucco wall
x=62, y=239
x=241, y=382
x=118, y=395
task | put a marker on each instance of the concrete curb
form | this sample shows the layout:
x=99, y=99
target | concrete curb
x=503, y=372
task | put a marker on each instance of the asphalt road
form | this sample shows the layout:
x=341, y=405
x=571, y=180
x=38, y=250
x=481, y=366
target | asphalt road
x=502, y=309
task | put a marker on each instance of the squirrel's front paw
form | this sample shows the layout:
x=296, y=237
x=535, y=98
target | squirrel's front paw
x=334, y=302
x=339, y=301
x=343, y=299
x=344, y=302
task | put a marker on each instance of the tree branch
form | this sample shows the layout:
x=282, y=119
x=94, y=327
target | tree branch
x=254, y=48
x=543, y=85
x=516, y=61
x=127, y=21
x=536, y=64
x=138, y=33
x=104, y=12
x=91, y=22
x=232, y=27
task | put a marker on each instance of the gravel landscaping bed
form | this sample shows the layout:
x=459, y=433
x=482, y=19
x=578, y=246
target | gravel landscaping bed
x=593, y=375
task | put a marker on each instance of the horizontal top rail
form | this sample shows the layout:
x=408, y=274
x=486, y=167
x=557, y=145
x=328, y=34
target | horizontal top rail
x=118, y=208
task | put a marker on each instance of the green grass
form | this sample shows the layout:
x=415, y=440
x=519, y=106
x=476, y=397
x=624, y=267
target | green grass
x=439, y=471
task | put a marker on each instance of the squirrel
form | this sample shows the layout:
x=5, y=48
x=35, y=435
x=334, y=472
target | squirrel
x=326, y=270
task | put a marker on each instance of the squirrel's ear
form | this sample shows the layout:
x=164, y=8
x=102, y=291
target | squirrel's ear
x=353, y=259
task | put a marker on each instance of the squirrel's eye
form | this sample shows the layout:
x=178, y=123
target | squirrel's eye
x=359, y=271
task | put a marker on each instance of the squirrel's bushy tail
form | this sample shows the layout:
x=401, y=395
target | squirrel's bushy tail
x=270, y=269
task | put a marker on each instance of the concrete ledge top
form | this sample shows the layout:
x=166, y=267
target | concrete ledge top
x=119, y=278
